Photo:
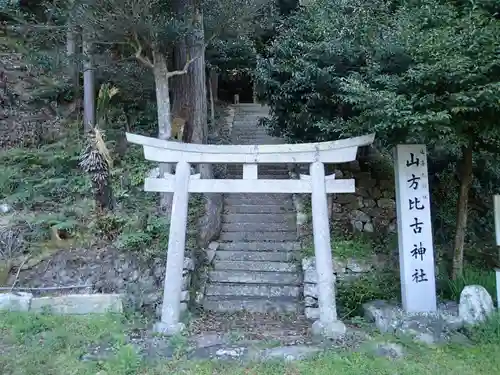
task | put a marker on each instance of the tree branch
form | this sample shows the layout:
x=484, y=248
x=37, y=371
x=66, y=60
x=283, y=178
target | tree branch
x=138, y=53
x=184, y=70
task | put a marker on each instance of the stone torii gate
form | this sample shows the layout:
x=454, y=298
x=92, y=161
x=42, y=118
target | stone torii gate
x=316, y=183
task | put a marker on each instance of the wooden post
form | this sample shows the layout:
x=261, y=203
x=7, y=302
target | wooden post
x=328, y=325
x=170, y=313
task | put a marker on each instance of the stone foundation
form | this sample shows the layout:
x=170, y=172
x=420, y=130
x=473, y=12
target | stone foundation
x=343, y=270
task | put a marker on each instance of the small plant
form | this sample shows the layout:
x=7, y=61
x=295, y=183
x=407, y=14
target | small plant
x=352, y=294
x=357, y=247
x=451, y=289
x=487, y=332
x=179, y=344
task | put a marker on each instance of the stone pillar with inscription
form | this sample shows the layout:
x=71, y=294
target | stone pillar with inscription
x=416, y=250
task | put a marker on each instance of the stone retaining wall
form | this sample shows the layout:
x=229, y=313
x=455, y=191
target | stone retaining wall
x=343, y=270
x=75, y=304
x=370, y=209
x=87, y=303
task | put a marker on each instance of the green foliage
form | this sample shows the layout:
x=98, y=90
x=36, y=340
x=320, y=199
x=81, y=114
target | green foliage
x=451, y=289
x=314, y=49
x=487, y=332
x=150, y=238
x=352, y=294
x=357, y=247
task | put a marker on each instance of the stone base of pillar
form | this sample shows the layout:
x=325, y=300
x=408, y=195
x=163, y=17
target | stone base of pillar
x=168, y=329
x=333, y=330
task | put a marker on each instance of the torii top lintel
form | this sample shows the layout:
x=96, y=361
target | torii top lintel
x=340, y=151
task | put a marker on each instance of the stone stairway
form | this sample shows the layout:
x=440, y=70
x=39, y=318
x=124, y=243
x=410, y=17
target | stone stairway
x=255, y=267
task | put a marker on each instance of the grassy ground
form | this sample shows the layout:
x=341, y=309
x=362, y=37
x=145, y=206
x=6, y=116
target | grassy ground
x=44, y=344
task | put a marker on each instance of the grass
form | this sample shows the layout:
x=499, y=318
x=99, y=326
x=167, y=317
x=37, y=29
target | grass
x=451, y=289
x=45, y=344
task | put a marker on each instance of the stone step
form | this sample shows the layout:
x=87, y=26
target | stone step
x=255, y=277
x=252, y=290
x=266, y=172
x=260, y=218
x=252, y=305
x=255, y=266
x=260, y=196
x=258, y=236
x=260, y=246
x=256, y=200
x=258, y=227
x=256, y=256
x=239, y=176
x=260, y=209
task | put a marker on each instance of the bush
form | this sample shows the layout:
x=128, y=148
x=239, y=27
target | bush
x=352, y=294
x=451, y=289
x=487, y=332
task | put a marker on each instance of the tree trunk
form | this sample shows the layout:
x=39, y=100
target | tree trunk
x=190, y=99
x=212, y=103
x=88, y=84
x=71, y=54
x=198, y=78
x=462, y=212
x=160, y=72
x=214, y=83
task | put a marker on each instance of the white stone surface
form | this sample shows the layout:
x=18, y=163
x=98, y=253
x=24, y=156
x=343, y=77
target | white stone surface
x=475, y=304
x=312, y=313
x=322, y=248
x=176, y=263
x=416, y=250
x=15, y=301
x=182, y=183
x=497, y=272
x=185, y=295
x=79, y=304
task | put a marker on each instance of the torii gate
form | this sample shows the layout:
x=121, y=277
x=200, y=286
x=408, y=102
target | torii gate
x=317, y=184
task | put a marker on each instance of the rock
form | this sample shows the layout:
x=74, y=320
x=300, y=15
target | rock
x=210, y=224
x=369, y=203
x=336, y=208
x=428, y=328
x=357, y=266
x=230, y=352
x=208, y=339
x=357, y=226
x=311, y=290
x=310, y=301
x=393, y=227
x=185, y=295
x=312, y=313
x=308, y=262
x=333, y=330
x=188, y=264
x=386, y=203
x=368, y=227
x=388, y=350
x=476, y=304
x=79, y=304
x=186, y=281
x=5, y=208
x=15, y=301
x=382, y=313
x=310, y=275
x=345, y=198
x=358, y=215
x=212, y=248
x=288, y=353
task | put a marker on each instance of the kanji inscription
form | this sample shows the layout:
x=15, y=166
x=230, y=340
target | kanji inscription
x=416, y=251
